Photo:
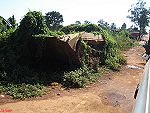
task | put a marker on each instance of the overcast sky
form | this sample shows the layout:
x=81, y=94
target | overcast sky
x=72, y=10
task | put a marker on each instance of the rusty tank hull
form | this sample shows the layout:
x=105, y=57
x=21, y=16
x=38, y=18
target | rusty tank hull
x=54, y=53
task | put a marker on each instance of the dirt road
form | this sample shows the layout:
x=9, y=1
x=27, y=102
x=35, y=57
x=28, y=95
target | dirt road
x=113, y=93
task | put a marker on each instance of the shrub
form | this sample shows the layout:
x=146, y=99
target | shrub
x=21, y=50
x=114, y=62
x=80, y=28
x=123, y=40
x=33, y=23
x=22, y=91
x=90, y=56
x=113, y=56
x=80, y=77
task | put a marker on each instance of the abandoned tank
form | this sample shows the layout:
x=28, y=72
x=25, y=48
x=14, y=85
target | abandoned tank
x=63, y=52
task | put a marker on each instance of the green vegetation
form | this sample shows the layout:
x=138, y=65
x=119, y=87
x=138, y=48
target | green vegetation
x=113, y=56
x=54, y=20
x=79, y=28
x=22, y=91
x=24, y=73
x=140, y=15
x=90, y=69
x=16, y=62
x=81, y=77
x=115, y=42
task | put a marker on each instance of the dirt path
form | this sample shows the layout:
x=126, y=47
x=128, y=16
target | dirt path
x=113, y=93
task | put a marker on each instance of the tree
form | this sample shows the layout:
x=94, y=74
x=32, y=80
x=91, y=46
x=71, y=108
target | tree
x=124, y=26
x=12, y=21
x=4, y=25
x=33, y=23
x=140, y=15
x=101, y=22
x=113, y=27
x=78, y=22
x=54, y=20
x=87, y=22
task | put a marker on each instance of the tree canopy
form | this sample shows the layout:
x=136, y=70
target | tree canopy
x=140, y=15
x=87, y=22
x=78, y=22
x=103, y=24
x=54, y=20
x=124, y=26
x=12, y=21
x=113, y=27
x=33, y=23
x=4, y=24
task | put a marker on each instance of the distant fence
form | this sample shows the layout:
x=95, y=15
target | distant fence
x=142, y=102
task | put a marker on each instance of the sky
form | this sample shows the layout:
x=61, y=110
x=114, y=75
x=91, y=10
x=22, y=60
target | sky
x=111, y=11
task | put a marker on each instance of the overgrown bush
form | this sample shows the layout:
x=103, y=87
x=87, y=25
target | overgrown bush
x=22, y=91
x=16, y=62
x=80, y=77
x=113, y=56
x=80, y=28
x=20, y=80
x=15, y=52
x=123, y=40
x=91, y=57
x=115, y=60
x=33, y=23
